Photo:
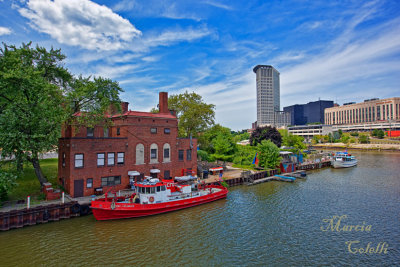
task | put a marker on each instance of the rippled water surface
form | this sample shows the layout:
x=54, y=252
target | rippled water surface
x=271, y=224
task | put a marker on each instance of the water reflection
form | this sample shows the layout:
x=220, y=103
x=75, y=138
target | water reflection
x=275, y=223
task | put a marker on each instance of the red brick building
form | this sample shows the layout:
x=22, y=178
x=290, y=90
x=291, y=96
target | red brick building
x=94, y=160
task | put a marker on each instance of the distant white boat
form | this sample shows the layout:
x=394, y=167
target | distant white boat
x=343, y=160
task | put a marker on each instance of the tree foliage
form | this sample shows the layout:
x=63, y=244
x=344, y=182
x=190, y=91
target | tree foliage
x=291, y=140
x=265, y=133
x=240, y=137
x=363, y=139
x=38, y=95
x=244, y=155
x=7, y=182
x=268, y=154
x=379, y=133
x=194, y=114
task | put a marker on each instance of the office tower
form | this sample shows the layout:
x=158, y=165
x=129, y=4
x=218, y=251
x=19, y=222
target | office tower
x=268, y=97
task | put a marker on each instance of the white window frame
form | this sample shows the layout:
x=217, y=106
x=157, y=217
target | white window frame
x=101, y=159
x=154, y=160
x=79, y=162
x=121, y=158
x=110, y=158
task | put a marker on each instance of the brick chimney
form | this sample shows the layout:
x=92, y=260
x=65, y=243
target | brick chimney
x=163, y=102
x=124, y=107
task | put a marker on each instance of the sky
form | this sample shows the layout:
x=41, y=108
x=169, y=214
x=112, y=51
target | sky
x=343, y=51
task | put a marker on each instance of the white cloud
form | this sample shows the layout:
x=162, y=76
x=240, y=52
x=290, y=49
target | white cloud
x=169, y=37
x=4, y=31
x=356, y=59
x=159, y=9
x=115, y=71
x=80, y=23
x=219, y=5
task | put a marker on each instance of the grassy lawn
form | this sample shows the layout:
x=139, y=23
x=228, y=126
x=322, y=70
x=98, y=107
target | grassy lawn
x=28, y=184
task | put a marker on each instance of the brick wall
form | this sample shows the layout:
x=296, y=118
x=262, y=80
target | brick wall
x=125, y=135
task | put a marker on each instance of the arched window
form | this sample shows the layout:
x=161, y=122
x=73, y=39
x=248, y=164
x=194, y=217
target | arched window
x=153, y=153
x=139, y=154
x=166, y=153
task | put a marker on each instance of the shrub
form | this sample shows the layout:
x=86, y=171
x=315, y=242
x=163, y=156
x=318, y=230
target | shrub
x=203, y=155
x=363, y=139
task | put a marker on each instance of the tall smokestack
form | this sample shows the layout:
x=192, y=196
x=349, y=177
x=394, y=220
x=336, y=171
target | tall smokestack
x=163, y=102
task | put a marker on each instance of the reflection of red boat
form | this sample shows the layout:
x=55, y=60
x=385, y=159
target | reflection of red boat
x=153, y=196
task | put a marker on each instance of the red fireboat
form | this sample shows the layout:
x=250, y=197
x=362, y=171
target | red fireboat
x=153, y=196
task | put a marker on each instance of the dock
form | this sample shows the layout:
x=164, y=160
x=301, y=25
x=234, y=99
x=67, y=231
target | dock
x=286, y=177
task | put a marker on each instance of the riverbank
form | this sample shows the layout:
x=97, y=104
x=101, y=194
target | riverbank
x=388, y=147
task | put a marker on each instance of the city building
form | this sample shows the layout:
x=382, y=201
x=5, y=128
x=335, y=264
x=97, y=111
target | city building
x=138, y=144
x=268, y=97
x=312, y=112
x=371, y=111
x=309, y=131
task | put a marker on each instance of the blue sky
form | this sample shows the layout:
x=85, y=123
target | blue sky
x=334, y=50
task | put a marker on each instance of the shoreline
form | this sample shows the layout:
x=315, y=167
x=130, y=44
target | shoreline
x=366, y=147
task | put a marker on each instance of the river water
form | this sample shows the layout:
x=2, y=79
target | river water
x=270, y=224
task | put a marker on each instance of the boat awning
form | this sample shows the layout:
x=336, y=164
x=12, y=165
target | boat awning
x=133, y=173
x=216, y=169
x=285, y=152
x=154, y=171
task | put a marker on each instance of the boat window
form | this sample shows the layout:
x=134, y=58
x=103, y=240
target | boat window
x=158, y=188
x=153, y=190
x=163, y=188
x=147, y=190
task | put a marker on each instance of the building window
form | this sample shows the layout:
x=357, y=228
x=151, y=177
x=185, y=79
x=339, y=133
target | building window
x=118, y=131
x=110, y=181
x=189, y=154
x=153, y=153
x=89, y=182
x=89, y=132
x=78, y=160
x=139, y=154
x=120, y=158
x=180, y=154
x=153, y=130
x=167, y=155
x=110, y=159
x=167, y=174
x=63, y=159
x=167, y=130
x=105, y=132
x=100, y=159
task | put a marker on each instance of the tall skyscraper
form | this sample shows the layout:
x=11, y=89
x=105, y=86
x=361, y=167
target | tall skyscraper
x=268, y=97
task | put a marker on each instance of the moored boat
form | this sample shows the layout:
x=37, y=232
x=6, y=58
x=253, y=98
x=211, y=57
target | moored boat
x=343, y=160
x=153, y=196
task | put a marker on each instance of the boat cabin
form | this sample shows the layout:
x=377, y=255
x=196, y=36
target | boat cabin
x=152, y=190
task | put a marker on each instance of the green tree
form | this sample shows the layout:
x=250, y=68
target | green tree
x=291, y=140
x=244, y=155
x=345, y=139
x=194, y=114
x=379, y=133
x=224, y=147
x=265, y=133
x=7, y=182
x=203, y=155
x=363, y=139
x=38, y=95
x=268, y=154
x=205, y=140
x=241, y=137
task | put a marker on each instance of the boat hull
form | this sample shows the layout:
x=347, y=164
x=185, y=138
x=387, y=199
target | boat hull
x=343, y=164
x=102, y=210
